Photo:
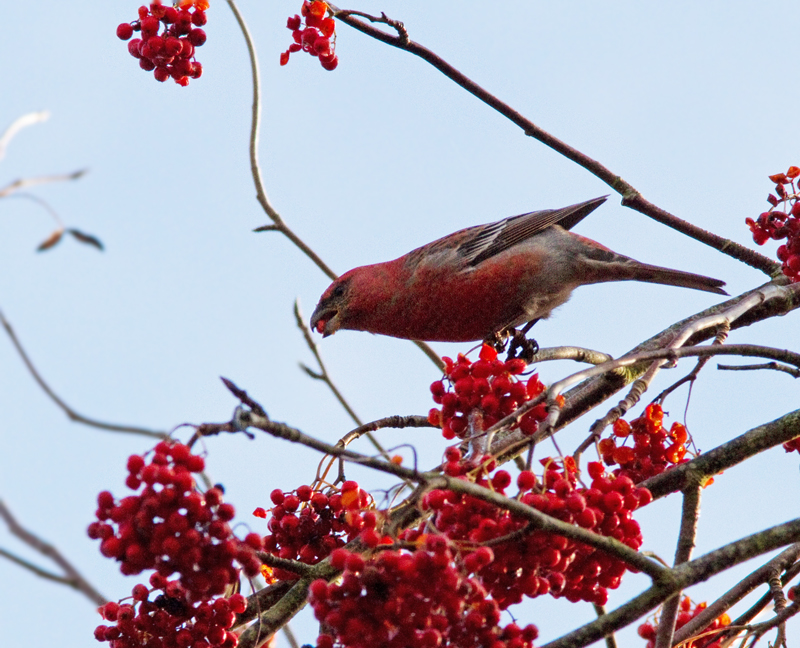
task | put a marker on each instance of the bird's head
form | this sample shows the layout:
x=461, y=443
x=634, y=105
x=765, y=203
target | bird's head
x=331, y=311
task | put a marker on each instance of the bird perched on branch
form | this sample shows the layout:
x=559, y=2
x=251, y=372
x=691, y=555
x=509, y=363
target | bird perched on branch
x=484, y=280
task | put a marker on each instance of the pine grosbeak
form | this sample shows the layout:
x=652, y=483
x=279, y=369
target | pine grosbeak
x=479, y=281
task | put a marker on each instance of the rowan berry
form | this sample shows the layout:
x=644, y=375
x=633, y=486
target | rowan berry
x=164, y=53
x=316, y=37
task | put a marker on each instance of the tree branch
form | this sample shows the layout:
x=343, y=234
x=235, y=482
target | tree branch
x=691, y=573
x=72, y=577
x=683, y=552
x=17, y=125
x=71, y=413
x=631, y=197
x=726, y=455
x=736, y=594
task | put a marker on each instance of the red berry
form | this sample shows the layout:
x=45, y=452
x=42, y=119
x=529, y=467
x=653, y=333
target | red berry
x=197, y=37
x=329, y=63
x=124, y=31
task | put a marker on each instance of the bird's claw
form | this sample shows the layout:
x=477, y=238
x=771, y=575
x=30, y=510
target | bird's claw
x=521, y=347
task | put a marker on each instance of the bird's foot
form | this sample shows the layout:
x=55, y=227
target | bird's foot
x=521, y=347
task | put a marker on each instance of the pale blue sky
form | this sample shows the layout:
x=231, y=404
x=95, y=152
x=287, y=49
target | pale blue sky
x=693, y=103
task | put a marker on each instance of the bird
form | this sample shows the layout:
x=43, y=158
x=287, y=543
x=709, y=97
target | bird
x=478, y=282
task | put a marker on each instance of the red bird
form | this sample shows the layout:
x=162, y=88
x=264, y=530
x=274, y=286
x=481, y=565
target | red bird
x=479, y=281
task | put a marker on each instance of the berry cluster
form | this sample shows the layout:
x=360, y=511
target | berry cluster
x=654, y=448
x=173, y=528
x=307, y=525
x=315, y=35
x=413, y=599
x=686, y=612
x=783, y=223
x=169, y=53
x=542, y=563
x=169, y=620
x=481, y=393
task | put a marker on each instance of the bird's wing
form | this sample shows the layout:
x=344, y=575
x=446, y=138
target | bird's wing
x=487, y=240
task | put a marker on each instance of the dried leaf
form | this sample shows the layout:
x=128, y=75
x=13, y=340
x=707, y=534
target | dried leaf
x=51, y=240
x=793, y=172
x=86, y=238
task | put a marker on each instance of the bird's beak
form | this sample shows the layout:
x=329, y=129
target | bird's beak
x=325, y=321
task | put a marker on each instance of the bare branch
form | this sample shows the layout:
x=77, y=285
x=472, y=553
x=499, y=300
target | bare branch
x=578, y=354
x=323, y=375
x=514, y=441
x=736, y=594
x=17, y=125
x=396, y=421
x=726, y=455
x=262, y=600
x=679, y=578
x=631, y=197
x=287, y=630
x=795, y=373
x=23, y=183
x=71, y=414
x=683, y=552
x=72, y=577
x=610, y=640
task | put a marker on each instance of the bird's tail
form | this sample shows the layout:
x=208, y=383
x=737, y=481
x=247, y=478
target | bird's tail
x=669, y=277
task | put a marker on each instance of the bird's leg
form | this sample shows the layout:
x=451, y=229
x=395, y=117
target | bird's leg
x=527, y=348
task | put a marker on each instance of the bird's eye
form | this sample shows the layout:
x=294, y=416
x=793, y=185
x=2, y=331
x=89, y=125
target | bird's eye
x=338, y=291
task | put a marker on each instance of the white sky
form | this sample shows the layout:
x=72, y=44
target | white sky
x=693, y=103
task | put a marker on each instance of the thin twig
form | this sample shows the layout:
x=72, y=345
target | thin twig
x=726, y=456
x=22, y=183
x=323, y=374
x=255, y=170
x=71, y=413
x=255, y=167
x=72, y=577
x=287, y=630
x=555, y=389
x=611, y=640
x=396, y=421
x=631, y=197
x=42, y=573
x=776, y=590
x=670, y=354
x=736, y=594
x=759, y=606
x=721, y=336
x=760, y=629
x=17, y=125
x=795, y=373
x=680, y=578
x=683, y=552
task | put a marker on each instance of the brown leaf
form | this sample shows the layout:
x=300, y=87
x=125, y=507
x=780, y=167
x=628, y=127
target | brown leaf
x=51, y=240
x=86, y=238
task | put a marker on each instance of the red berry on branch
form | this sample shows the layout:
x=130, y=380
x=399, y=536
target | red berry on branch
x=124, y=31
